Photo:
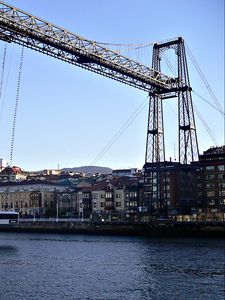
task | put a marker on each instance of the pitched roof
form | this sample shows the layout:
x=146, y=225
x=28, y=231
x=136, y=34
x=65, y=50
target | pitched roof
x=11, y=170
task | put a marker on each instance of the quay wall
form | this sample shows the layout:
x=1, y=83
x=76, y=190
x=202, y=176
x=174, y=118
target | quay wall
x=160, y=229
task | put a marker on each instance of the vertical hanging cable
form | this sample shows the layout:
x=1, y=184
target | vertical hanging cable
x=3, y=69
x=16, y=105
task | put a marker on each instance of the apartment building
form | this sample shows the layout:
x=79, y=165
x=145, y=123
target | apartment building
x=29, y=198
x=211, y=183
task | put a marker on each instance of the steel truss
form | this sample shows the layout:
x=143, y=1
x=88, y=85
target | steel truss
x=25, y=29
x=29, y=31
x=155, y=165
x=188, y=145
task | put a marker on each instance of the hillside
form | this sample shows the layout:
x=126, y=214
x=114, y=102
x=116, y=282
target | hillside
x=89, y=169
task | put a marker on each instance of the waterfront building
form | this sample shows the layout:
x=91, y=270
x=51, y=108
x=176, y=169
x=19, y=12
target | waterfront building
x=3, y=164
x=211, y=184
x=170, y=189
x=12, y=174
x=116, y=198
x=84, y=199
x=29, y=198
x=67, y=203
x=102, y=197
x=125, y=172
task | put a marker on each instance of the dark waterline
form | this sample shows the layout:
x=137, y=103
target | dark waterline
x=53, y=266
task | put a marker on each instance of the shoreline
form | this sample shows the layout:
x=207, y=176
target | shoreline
x=162, y=229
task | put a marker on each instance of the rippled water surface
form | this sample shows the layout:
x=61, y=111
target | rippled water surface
x=50, y=266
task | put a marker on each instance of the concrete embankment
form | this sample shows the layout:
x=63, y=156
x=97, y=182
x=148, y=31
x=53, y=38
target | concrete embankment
x=160, y=229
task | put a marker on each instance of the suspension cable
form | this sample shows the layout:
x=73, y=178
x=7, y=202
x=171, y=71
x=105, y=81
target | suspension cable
x=169, y=64
x=210, y=132
x=174, y=73
x=3, y=69
x=119, y=132
x=204, y=80
x=16, y=106
x=216, y=108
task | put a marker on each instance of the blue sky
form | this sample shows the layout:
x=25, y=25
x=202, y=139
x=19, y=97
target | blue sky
x=67, y=115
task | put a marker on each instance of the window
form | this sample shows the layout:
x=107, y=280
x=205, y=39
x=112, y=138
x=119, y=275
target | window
x=108, y=203
x=221, y=176
x=167, y=195
x=95, y=196
x=108, y=195
x=221, y=168
x=167, y=179
x=222, y=193
x=102, y=204
x=210, y=176
x=167, y=187
x=211, y=202
x=133, y=203
x=222, y=202
x=210, y=185
x=210, y=168
x=118, y=204
x=210, y=193
x=221, y=184
x=86, y=195
x=117, y=195
x=133, y=194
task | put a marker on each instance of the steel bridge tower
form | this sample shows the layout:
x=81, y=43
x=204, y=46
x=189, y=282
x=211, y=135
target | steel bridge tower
x=17, y=26
x=155, y=164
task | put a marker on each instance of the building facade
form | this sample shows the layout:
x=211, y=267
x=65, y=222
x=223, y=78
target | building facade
x=12, y=174
x=29, y=198
x=169, y=188
x=211, y=184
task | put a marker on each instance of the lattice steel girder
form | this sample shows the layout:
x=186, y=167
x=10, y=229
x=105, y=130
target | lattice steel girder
x=25, y=29
x=155, y=149
x=188, y=144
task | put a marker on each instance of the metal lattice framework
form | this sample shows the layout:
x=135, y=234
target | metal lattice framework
x=25, y=29
x=156, y=168
x=188, y=145
x=32, y=32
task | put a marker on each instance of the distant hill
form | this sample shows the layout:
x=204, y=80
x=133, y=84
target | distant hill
x=89, y=169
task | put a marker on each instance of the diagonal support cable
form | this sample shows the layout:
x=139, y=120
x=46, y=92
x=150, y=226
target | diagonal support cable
x=16, y=106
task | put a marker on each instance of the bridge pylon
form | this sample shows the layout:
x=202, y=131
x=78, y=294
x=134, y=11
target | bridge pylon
x=154, y=181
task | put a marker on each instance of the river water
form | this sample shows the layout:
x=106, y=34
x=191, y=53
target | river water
x=56, y=266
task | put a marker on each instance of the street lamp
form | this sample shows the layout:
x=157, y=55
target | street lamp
x=82, y=210
x=57, y=210
x=34, y=214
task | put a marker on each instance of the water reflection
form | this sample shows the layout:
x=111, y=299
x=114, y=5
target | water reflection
x=110, y=268
x=7, y=249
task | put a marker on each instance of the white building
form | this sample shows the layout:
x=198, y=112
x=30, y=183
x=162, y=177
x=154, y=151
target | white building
x=3, y=164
